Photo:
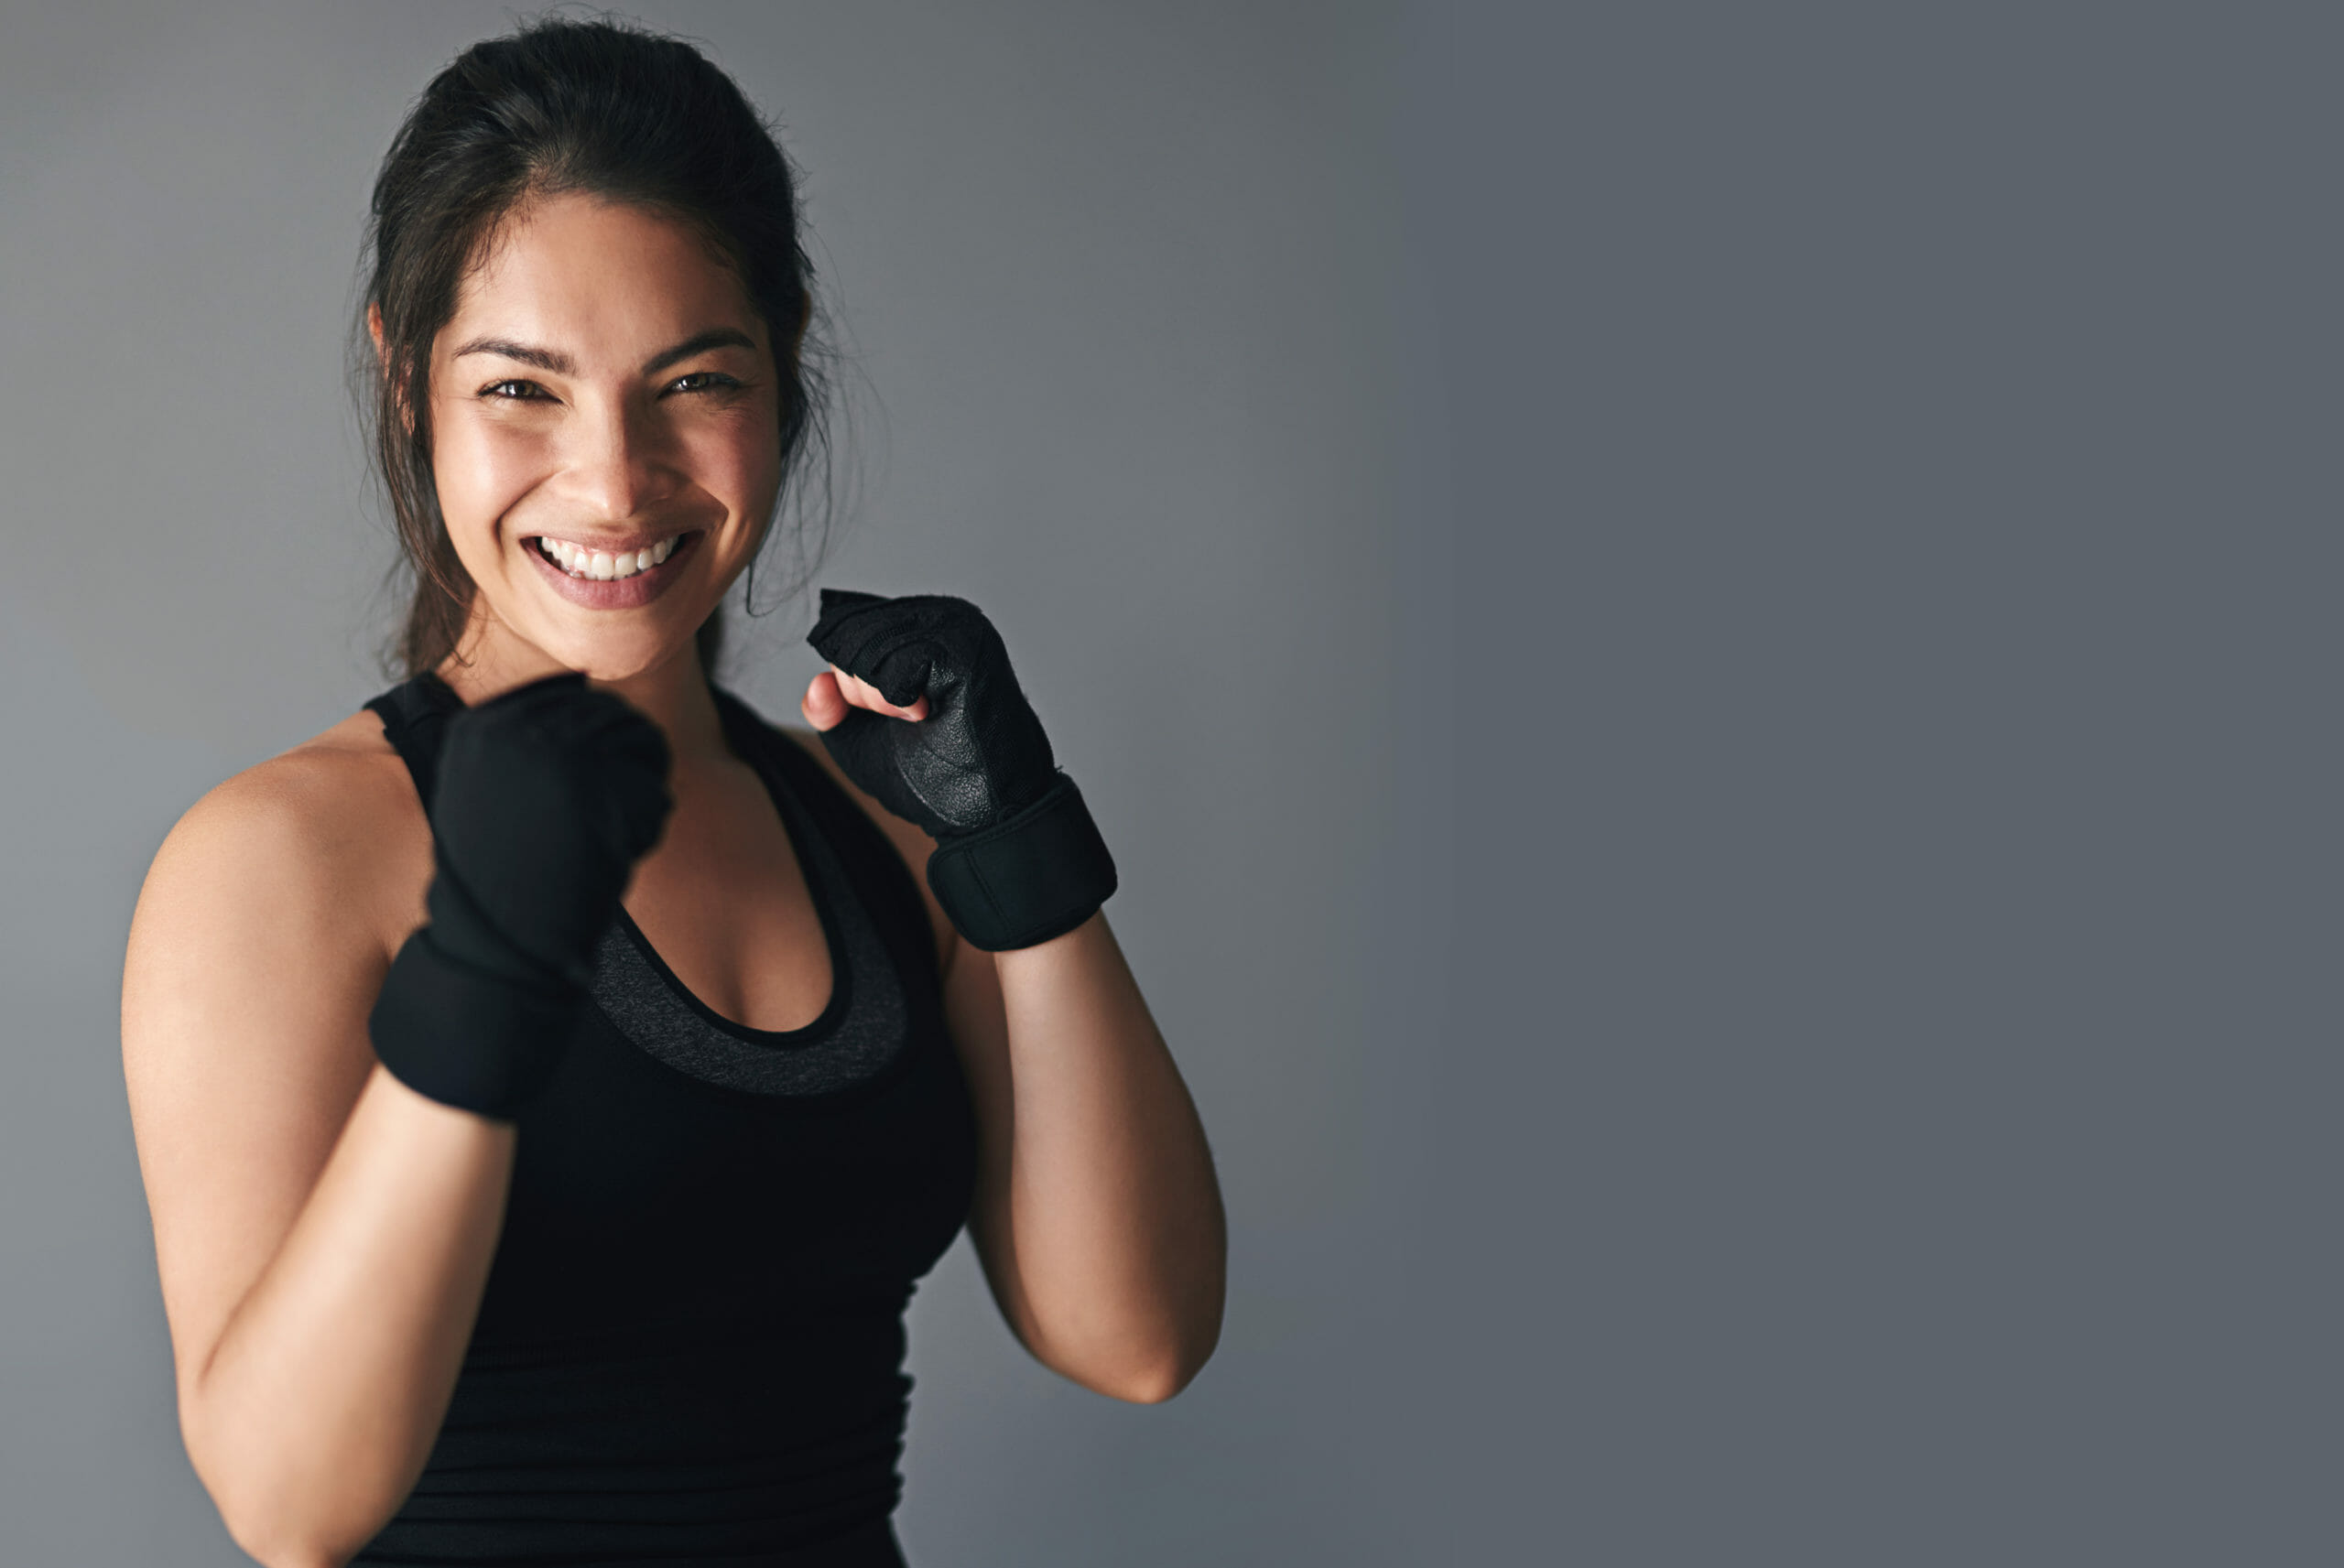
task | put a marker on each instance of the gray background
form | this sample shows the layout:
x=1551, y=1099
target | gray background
x=1704, y=632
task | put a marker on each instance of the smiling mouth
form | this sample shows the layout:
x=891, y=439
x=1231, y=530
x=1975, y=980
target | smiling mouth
x=606, y=566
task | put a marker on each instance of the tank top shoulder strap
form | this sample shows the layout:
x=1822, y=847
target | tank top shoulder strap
x=415, y=714
x=883, y=881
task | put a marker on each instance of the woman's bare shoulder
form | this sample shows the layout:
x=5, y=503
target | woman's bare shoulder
x=259, y=944
x=329, y=834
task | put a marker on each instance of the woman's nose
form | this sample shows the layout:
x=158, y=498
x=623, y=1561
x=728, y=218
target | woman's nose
x=618, y=465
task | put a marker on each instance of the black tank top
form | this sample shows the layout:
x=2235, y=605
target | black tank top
x=690, y=1348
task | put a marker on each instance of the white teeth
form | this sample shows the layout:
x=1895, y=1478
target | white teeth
x=600, y=564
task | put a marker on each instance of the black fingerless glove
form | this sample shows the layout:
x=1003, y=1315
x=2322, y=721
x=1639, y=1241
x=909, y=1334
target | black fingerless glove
x=546, y=797
x=1018, y=859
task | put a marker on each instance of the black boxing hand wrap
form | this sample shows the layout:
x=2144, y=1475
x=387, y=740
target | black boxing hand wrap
x=1037, y=874
x=546, y=797
x=465, y=1038
x=1019, y=859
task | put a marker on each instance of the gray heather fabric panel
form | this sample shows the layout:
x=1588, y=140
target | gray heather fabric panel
x=646, y=1009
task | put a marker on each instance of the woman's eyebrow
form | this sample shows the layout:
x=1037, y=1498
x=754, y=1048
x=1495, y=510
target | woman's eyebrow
x=544, y=359
x=699, y=343
x=559, y=364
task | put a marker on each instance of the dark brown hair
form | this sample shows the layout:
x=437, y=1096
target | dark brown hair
x=601, y=108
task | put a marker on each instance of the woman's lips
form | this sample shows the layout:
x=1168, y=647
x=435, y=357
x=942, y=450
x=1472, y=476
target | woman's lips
x=615, y=593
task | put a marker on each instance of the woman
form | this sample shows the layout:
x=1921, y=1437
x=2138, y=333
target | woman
x=551, y=1080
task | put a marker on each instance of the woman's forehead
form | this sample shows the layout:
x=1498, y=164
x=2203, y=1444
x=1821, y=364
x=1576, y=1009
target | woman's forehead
x=599, y=280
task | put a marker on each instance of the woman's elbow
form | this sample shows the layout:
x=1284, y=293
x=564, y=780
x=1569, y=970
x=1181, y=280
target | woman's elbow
x=1153, y=1388
x=276, y=1537
x=270, y=1554
x=1159, y=1375
x=280, y=1516
x=270, y=1533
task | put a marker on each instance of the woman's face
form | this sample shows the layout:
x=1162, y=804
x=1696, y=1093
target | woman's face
x=605, y=423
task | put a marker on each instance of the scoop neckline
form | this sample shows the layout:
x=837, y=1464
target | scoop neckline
x=735, y=719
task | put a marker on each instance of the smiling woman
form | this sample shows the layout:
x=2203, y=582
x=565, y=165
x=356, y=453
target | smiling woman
x=631, y=464
x=551, y=1081
x=675, y=158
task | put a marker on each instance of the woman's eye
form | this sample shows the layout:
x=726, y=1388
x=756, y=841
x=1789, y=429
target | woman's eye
x=703, y=380
x=516, y=391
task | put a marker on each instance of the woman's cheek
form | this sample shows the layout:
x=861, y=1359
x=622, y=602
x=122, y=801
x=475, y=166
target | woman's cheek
x=740, y=462
x=482, y=472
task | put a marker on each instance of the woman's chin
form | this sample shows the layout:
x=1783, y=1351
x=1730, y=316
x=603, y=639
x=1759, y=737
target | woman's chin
x=613, y=658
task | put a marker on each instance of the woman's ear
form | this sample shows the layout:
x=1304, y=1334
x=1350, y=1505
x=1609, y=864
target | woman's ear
x=383, y=359
x=805, y=319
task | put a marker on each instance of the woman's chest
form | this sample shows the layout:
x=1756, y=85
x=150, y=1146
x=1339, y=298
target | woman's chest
x=724, y=901
x=641, y=1191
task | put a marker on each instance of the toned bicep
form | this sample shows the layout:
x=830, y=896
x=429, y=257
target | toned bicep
x=253, y=958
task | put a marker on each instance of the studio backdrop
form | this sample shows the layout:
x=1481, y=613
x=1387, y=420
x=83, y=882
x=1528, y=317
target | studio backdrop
x=1705, y=634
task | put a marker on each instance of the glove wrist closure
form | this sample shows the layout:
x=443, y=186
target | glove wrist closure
x=1036, y=874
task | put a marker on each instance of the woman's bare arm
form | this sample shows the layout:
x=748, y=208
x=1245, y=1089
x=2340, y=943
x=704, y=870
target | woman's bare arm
x=1098, y=1216
x=324, y=1233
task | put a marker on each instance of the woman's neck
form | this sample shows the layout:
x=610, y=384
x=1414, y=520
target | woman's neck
x=673, y=695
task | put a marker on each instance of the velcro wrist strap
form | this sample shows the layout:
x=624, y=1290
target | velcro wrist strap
x=466, y=1038
x=1038, y=874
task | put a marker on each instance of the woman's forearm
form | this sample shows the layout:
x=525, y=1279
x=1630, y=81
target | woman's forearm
x=1111, y=1211
x=315, y=1409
